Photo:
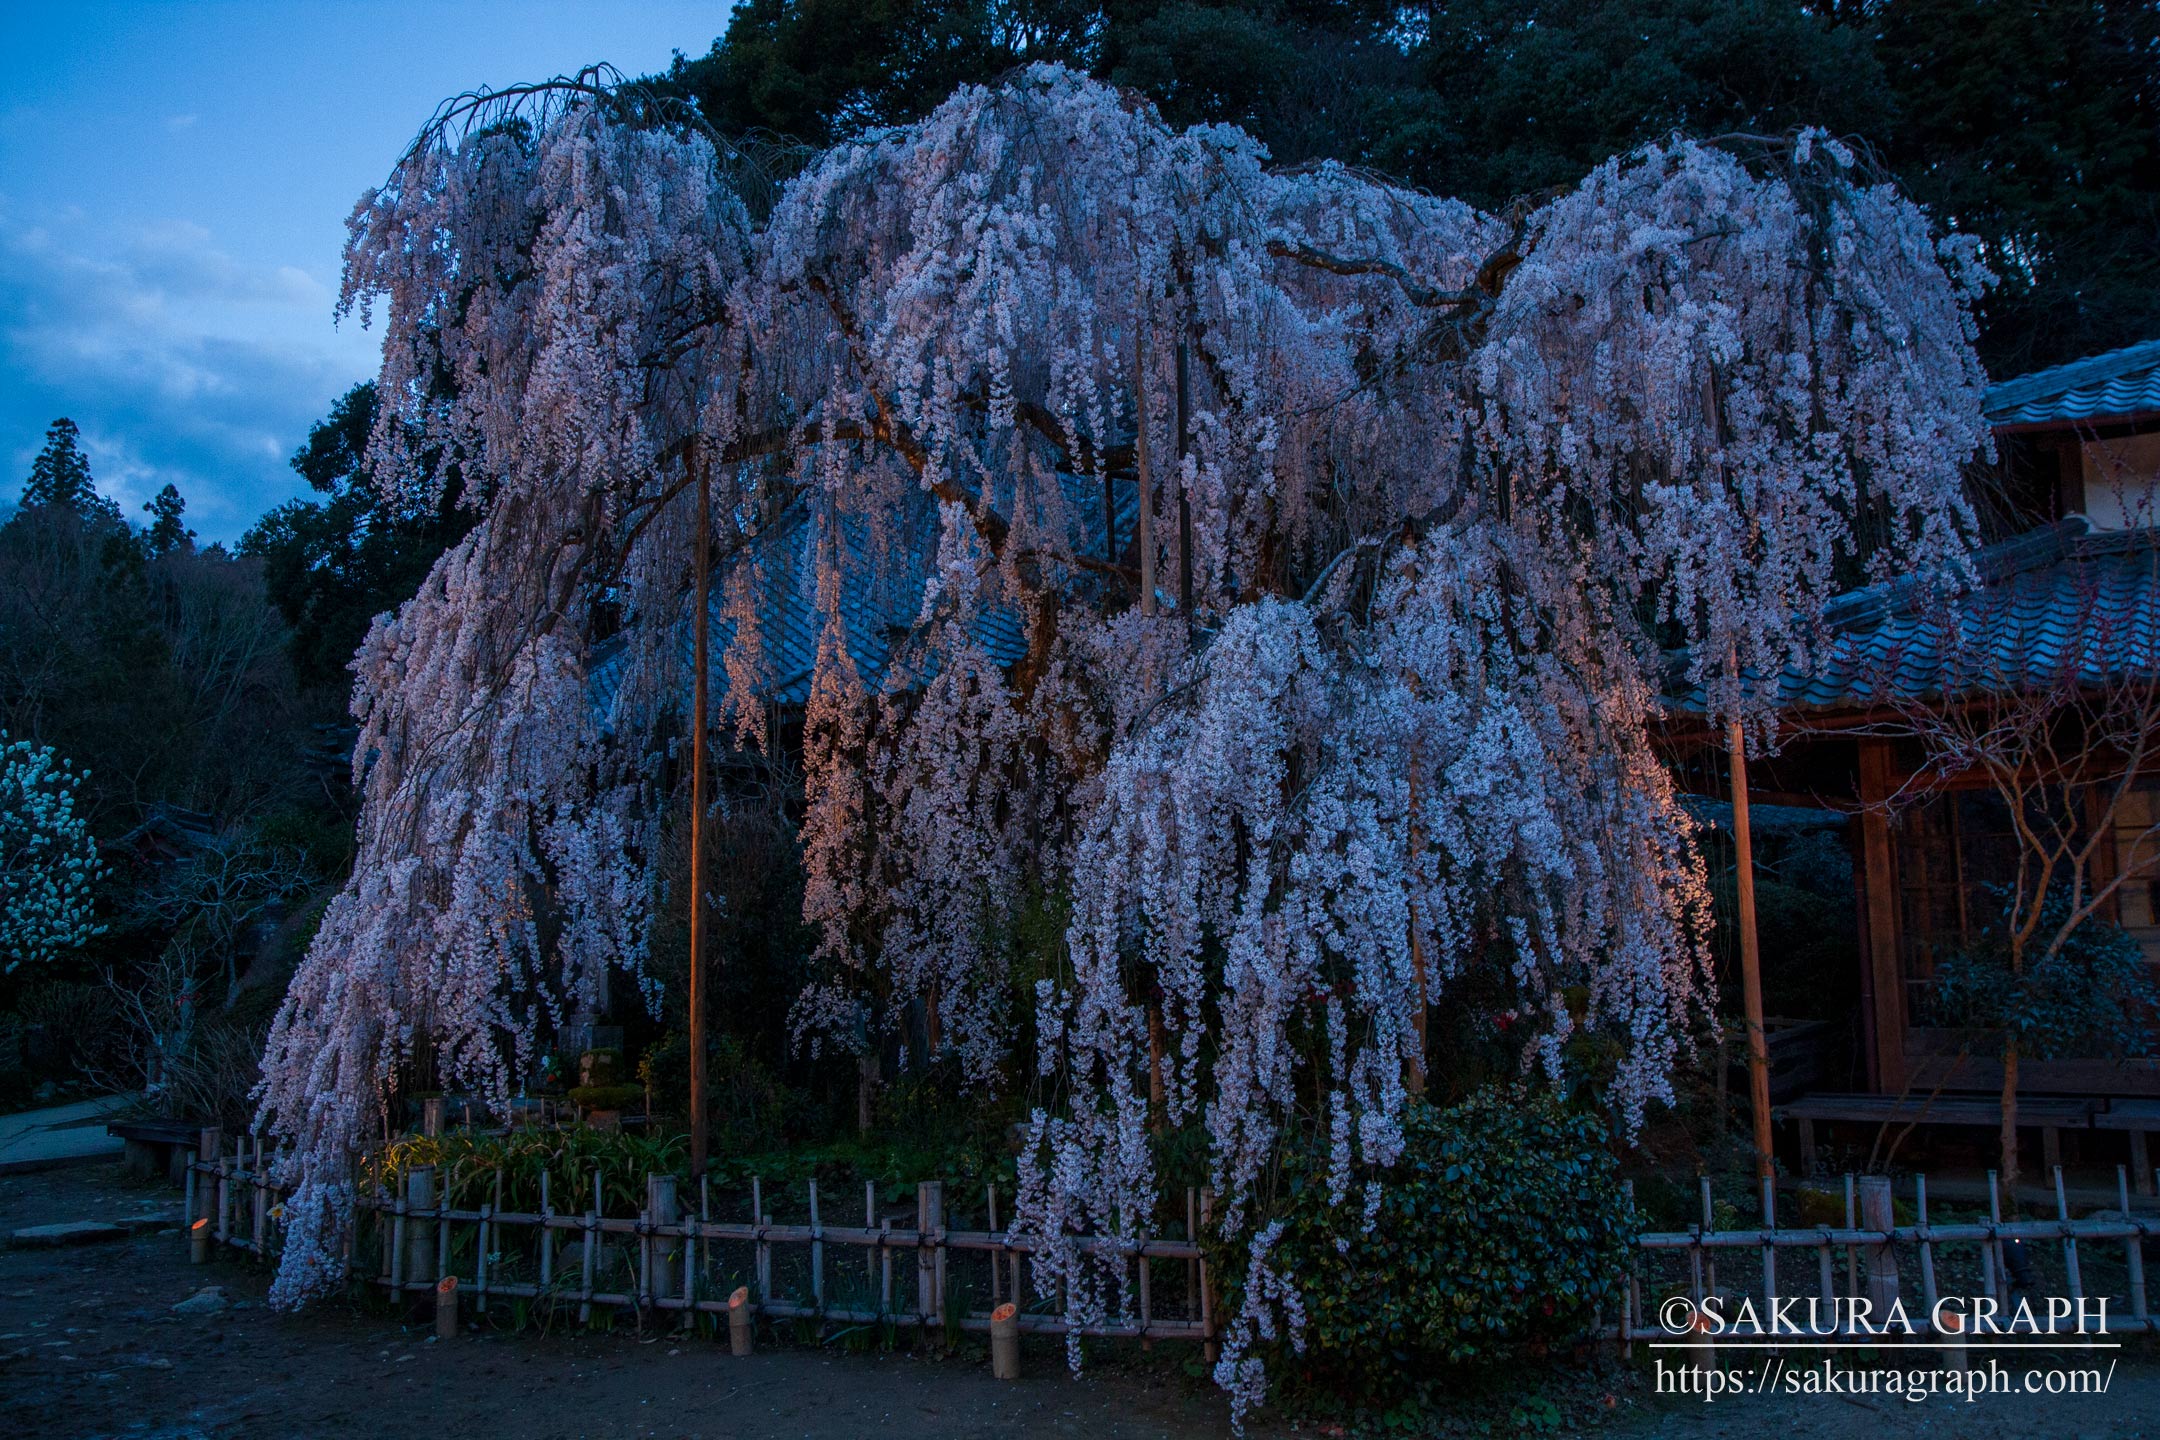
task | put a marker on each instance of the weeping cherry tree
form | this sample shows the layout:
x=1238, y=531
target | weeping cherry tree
x=1338, y=536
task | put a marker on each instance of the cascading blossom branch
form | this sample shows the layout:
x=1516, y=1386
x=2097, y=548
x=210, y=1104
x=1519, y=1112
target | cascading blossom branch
x=1291, y=560
x=49, y=864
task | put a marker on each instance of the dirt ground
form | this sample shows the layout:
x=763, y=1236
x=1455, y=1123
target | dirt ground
x=89, y=1347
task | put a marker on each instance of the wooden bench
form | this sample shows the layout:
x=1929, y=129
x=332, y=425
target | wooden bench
x=2140, y=1118
x=153, y=1146
x=2050, y=1115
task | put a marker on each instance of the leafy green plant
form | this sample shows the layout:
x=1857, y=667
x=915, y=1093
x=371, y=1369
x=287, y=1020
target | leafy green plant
x=2092, y=995
x=1502, y=1231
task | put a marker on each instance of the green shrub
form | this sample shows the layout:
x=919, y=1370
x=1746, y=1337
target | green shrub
x=608, y=1097
x=1502, y=1230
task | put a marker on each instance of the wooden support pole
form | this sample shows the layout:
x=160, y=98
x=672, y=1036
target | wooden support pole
x=446, y=1308
x=431, y=1116
x=700, y=627
x=1750, y=956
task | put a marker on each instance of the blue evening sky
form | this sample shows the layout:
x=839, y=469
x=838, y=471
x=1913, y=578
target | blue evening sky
x=174, y=182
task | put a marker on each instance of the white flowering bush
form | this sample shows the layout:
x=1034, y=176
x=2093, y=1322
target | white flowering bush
x=48, y=858
x=1343, y=530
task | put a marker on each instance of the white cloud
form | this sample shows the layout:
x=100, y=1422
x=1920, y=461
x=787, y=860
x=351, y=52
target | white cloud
x=179, y=363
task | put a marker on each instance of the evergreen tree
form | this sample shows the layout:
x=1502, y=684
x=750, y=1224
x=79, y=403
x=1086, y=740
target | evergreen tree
x=332, y=565
x=61, y=476
x=167, y=531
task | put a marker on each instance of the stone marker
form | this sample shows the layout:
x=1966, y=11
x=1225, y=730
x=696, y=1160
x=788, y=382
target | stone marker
x=207, y=1301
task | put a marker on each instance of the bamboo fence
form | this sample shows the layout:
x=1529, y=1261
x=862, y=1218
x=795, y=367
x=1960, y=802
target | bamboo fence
x=917, y=1270
x=1872, y=1257
x=914, y=1270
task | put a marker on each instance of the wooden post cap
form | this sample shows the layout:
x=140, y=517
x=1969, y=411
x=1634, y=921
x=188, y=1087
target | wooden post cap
x=1004, y=1313
x=740, y=1298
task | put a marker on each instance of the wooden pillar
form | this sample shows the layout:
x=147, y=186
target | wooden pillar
x=1885, y=973
x=1758, y=1051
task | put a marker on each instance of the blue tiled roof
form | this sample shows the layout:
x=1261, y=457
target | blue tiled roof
x=2120, y=383
x=880, y=606
x=2057, y=603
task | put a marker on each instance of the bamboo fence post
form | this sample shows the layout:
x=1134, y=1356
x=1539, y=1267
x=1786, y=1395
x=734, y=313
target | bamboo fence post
x=224, y=1198
x=2002, y=1261
x=2069, y=1245
x=870, y=1253
x=446, y=1308
x=442, y=1226
x=2133, y=1251
x=929, y=1208
x=738, y=1321
x=1878, y=1213
x=990, y=1198
x=761, y=1253
x=817, y=1255
x=419, y=1233
x=1147, y=1309
x=489, y=1235
x=1005, y=1342
x=208, y=1145
x=884, y=1252
x=480, y=1255
x=547, y=1236
x=1210, y=1348
x=1852, y=1222
x=691, y=1232
x=663, y=1208
x=394, y=1269
x=592, y=1230
x=1192, y=1267
x=1769, y=1249
x=641, y=1284
x=1987, y=1262
x=1709, y=1226
x=257, y=1238
x=1927, y=1247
